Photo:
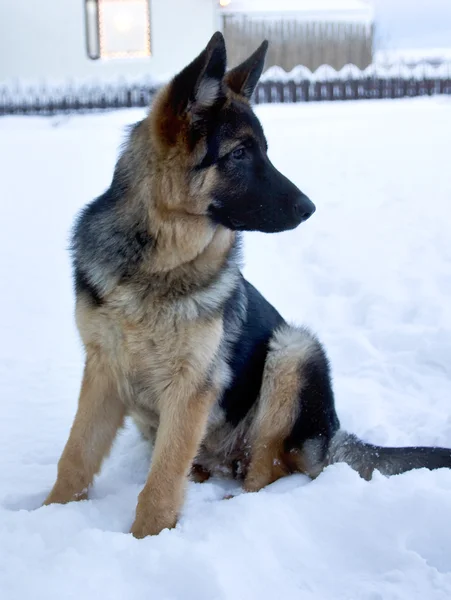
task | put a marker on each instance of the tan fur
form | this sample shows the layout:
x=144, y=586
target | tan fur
x=151, y=362
x=100, y=414
x=176, y=212
x=182, y=426
x=277, y=410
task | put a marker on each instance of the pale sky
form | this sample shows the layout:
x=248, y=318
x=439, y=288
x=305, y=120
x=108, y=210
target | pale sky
x=413, y=23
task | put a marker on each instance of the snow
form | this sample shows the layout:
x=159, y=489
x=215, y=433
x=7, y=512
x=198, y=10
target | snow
x=370, y=273
x=421, y=70
x=304, y=9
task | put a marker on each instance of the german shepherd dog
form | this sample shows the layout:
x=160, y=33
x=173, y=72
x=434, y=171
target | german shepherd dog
x=174, y=335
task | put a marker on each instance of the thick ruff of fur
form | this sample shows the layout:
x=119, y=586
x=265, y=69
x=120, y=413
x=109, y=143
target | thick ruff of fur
x=173, y=333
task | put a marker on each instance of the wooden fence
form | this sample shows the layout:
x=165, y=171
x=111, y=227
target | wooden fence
x=298, y=86
x=294, y=42
x=45, y=100
x=370, y=88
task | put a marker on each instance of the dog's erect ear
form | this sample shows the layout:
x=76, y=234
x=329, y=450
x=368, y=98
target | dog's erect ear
x=198, y=86
x=243, y=78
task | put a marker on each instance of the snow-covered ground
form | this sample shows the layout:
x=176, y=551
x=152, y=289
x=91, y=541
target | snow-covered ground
x=370, y=273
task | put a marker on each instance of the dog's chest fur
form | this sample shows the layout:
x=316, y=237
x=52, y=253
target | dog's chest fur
x=151, y=345
x=164, y=349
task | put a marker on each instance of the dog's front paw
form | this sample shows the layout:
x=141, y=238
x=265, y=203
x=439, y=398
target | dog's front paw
x=62, y=494
x=152, y=522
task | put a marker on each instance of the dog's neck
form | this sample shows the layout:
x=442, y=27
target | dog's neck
x=189, y=241
x=181, y=240
x=155, y=237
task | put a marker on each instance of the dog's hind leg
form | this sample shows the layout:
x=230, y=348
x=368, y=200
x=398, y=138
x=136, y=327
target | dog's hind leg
x=295, y=416
x=297, y=429
x=100, y=413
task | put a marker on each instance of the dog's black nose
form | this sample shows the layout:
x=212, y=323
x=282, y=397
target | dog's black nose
x=304, y=208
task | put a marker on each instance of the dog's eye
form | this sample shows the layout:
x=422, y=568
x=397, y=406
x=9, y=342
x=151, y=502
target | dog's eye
x=238, y=153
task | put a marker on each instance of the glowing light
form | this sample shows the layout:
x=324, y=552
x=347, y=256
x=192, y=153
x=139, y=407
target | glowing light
x=124, y=28
x=224, y=2
x=123, y=22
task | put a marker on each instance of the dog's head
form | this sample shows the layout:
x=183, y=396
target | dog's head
x=212, y=144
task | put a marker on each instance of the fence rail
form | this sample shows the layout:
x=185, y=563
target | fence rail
x=73, y=99
x=300, y=85
x=370, y=88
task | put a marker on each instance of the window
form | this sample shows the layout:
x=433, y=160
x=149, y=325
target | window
x=117, y=28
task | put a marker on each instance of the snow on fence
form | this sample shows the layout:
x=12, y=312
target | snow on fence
x=80, y=97
x=276, y=85
x=352, y=83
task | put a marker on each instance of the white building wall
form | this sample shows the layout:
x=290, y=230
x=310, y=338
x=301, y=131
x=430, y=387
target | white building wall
x=45, y=40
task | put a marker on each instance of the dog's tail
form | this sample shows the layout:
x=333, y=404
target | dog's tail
x=366, y=458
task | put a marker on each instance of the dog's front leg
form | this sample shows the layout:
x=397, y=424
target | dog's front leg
x=100, y=413
x=180, y=432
